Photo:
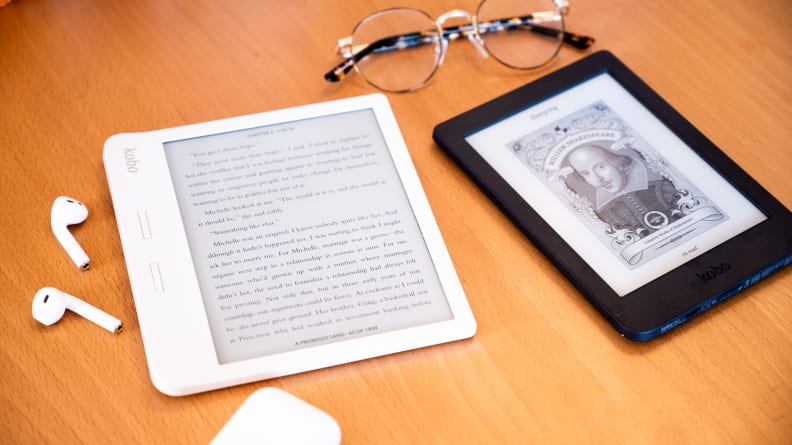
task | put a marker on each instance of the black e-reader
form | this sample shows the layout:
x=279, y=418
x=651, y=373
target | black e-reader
x=637, y=208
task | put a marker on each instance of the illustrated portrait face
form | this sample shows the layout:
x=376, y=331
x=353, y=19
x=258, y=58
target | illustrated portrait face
x=600, y=168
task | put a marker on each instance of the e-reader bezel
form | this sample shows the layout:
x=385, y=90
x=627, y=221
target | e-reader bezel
x=667, y=301
x=176, y=333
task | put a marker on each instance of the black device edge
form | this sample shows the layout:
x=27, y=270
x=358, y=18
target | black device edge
x=620, y=311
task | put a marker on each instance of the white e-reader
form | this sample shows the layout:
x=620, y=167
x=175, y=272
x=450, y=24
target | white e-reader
x=281, y=242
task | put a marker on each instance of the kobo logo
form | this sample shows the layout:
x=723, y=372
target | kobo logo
x=713, y=272
x=131, y=160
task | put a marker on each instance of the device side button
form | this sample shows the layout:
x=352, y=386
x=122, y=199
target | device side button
x=156, y=277
x=145, y=227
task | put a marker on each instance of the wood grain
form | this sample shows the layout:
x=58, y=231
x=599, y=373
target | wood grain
x=543, y=367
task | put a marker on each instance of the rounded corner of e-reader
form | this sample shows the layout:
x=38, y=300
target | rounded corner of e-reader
x=655, y=238
x=281, y=242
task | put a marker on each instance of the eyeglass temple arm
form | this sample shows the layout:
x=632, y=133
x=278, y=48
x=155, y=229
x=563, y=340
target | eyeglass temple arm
x=384, y=44
x=577, y=40
x=392, y=43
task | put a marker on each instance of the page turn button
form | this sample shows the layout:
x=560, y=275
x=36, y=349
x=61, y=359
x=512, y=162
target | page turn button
x=156, y=277
x=145, y=227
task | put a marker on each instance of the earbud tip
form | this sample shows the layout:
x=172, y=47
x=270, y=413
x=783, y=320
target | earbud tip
x=48, y=307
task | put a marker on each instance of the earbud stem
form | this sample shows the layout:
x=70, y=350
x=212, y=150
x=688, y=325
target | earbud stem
x=72, y=247
x=94, y=314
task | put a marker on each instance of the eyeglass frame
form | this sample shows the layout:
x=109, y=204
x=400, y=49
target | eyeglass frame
x=471, y=30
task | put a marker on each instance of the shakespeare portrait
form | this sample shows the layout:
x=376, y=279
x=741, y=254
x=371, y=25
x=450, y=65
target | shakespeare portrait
x=618, y=184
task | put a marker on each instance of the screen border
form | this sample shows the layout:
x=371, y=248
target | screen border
x=398, y=178
x=600, y=113
x=680, y=294
x=173, y=324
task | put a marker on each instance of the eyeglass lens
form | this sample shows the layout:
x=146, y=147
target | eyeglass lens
x=519, y=33
x=406, y=48
x=404, y=45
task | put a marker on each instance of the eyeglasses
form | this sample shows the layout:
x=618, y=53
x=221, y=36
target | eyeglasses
x=400, y=49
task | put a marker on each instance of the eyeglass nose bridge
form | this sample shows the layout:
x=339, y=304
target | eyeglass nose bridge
x=473, y=36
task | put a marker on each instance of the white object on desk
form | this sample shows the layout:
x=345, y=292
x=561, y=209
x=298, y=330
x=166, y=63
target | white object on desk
x=67, y=212
x=273, y=416
x=281, y=242
x=49, y=305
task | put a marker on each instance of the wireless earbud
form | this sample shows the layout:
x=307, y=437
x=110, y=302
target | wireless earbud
x=65, y=212
x=50, y=304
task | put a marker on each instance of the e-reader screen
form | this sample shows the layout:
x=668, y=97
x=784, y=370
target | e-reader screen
x=301, y=234
x=623, y=190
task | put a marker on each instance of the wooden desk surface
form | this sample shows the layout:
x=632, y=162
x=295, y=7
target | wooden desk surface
x=544, y=367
